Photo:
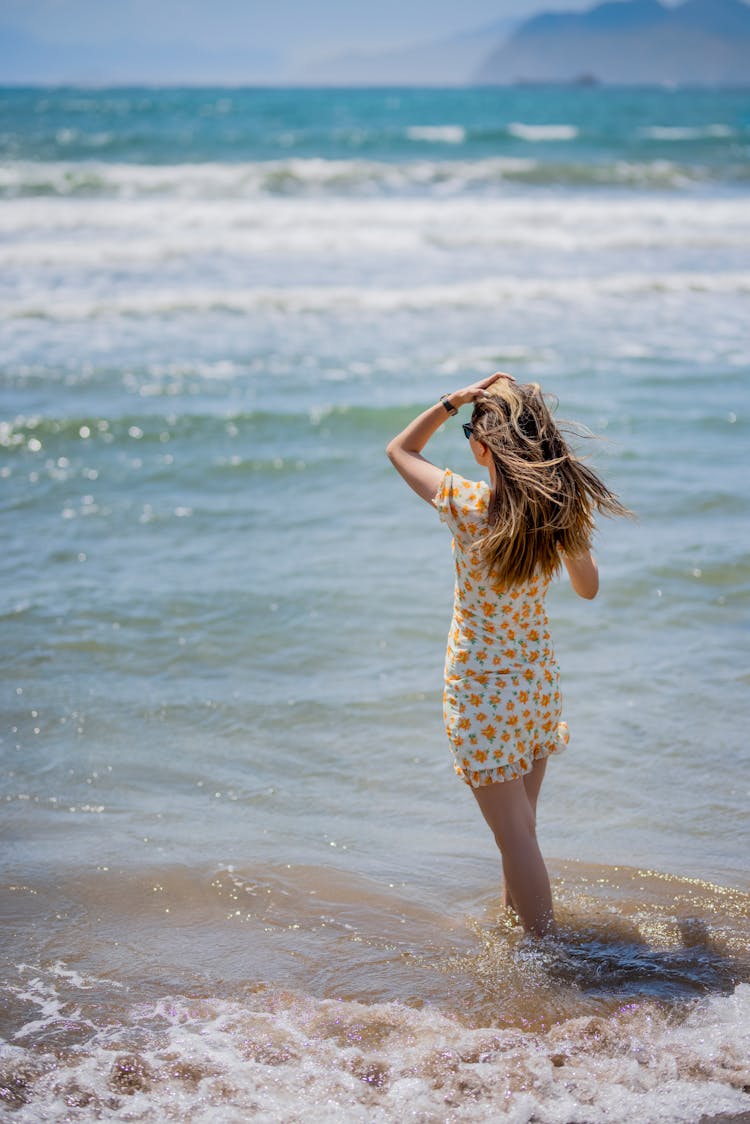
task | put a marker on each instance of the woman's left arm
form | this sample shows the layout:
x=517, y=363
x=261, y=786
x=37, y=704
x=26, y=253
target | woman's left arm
x=584, y=574
x=405, y=450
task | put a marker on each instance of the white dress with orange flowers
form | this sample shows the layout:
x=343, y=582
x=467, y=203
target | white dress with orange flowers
x=502, y=702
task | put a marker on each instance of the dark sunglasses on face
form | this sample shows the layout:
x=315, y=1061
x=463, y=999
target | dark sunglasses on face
x=468, y=430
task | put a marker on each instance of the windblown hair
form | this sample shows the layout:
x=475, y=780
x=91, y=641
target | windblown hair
x=545, y=497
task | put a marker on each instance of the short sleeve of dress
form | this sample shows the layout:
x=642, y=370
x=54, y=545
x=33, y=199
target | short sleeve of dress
x=461, y=505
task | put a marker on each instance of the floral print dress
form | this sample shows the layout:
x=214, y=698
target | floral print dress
x=502, y=702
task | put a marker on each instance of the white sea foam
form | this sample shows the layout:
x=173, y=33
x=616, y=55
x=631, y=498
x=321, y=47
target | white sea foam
x=110, y=234
x=300, y=176
x=274, y=1056
x=486, y=292
x=685, y=132
x=445, y=134
x=542, y=132
x=115, y=232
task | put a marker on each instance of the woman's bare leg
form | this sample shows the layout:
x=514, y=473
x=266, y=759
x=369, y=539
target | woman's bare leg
x=532, y=782
x=508, y=810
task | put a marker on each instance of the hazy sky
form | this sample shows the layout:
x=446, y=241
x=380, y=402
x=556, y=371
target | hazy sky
x=292, y=31
x=267, y=40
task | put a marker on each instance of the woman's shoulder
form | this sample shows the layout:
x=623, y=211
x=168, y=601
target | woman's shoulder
x=474, y=492
x=462, y=504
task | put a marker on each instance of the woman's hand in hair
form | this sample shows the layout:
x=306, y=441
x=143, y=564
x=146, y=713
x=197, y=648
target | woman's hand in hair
x=477, y=390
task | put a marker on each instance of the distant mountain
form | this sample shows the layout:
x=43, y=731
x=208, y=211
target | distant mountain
x=452, y=61
x=630, y=42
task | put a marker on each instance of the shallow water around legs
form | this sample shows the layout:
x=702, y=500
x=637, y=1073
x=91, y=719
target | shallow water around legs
x=269, y=988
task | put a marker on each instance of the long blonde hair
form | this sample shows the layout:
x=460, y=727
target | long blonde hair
x=544, y=499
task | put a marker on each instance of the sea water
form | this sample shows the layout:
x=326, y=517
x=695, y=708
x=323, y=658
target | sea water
x=240, y=879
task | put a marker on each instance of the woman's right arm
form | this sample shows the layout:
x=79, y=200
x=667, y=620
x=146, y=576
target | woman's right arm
x=584, y=574
x=405, y=449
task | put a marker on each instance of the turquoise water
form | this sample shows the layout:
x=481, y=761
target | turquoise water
x=702, y=130
x=224, y=616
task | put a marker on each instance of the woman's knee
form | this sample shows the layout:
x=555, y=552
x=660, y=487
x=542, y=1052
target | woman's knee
x=512, y=831
x=512, y=822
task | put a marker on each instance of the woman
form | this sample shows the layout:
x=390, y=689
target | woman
x=501, y=703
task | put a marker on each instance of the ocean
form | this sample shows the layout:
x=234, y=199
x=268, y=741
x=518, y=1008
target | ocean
x=239, y=877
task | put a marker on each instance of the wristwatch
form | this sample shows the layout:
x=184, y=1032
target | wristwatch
x=448, y=404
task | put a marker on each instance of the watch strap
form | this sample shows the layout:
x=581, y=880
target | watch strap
x=448, y=404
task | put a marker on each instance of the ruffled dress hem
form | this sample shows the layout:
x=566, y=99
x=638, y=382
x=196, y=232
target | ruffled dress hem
x=478, y=778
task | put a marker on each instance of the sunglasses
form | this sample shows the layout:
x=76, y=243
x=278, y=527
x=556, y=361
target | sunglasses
x=468, y=430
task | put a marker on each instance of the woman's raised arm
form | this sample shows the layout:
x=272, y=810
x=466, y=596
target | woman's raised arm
x=405, y=449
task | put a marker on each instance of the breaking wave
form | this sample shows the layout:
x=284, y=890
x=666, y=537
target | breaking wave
x=316, y=175
x=334, y=298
